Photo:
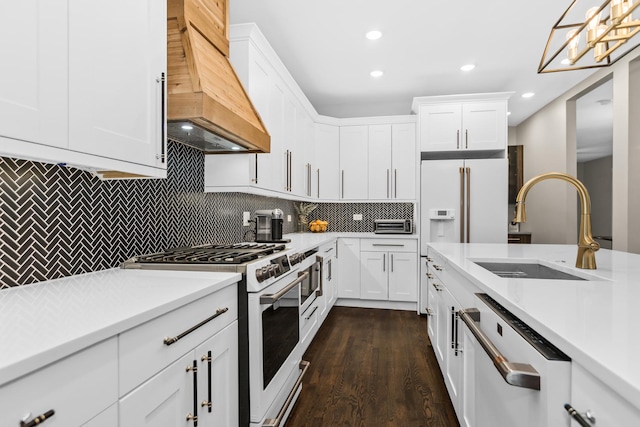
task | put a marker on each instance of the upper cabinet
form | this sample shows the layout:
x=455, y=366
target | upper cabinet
x=326, y=176
x=33, y=90
x=462, y=122
x=392, y=161
x=354, y=141
x=117, y=78
x=86, y=85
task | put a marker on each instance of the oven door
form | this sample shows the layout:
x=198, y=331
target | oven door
x=274, y=333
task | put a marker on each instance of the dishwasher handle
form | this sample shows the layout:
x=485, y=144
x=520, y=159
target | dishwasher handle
x=516, y=374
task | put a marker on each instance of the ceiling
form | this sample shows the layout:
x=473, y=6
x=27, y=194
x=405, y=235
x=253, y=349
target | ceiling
x=423, y=46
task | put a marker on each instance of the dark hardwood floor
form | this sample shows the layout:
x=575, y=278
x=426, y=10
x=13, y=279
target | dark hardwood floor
x=372, y=368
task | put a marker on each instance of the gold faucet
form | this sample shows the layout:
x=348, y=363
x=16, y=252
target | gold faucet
x=586, y=245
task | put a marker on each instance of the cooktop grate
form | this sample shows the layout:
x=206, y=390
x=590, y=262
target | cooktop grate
x=238, y=253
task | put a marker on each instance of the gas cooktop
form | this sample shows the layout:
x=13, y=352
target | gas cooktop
x=237, y=253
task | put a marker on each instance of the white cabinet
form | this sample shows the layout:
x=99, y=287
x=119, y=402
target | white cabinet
x=349, y=272
x=117, y=67
x=389, y=269
x=34, y=87
x=329, y=279
x=83, y=93
x=354, y=162
x=392, y=161
x=451, y=124
x=327, y=164
x=166, y=400
x=374, y=276
x=70, y=392
x=158, y=383
x=607, y=406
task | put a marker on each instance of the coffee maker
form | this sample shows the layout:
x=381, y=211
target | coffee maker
x=269, y=226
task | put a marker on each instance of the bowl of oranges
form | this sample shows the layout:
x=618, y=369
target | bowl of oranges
x=318, y=226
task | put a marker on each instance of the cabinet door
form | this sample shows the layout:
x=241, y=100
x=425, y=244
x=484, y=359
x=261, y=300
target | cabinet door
x=327, y=165
x=440, y=126
x=380, y=162
x=353, y=162
x=443, y=341
x=432, y=309
x=403, y=276
x=485, y=125
x=218, y=379
x=488, y=212
x=374, y=275
x=588, y=393
x=349, y=272
x=165, y=400
x=117, y=64
x=33, y=90
x=453, y=357
x=404, y=161
x=466, y=413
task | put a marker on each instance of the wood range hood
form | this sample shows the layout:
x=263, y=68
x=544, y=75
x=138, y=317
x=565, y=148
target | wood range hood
x=204, y=92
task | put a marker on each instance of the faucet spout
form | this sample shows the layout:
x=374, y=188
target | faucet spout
x=587, y=247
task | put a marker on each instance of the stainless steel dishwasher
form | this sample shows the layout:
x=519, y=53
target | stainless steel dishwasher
x=512, y=375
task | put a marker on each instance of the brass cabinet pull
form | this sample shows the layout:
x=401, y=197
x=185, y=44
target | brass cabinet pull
x=208, y=358
x=171, y=340
x=194, y=417
x=40, y=418
x=468, y=170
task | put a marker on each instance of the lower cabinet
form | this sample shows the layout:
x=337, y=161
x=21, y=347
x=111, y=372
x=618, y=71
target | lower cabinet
x=349, y=271
x=71, y=392
x=202, y=385
x=590, y=396
x=389, y=269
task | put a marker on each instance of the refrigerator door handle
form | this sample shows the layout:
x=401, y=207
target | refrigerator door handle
x=462, y=211
x=468, y=170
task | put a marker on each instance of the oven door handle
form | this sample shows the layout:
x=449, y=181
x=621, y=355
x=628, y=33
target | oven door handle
x=517, y=374
x=272, y=298
x=275, y=422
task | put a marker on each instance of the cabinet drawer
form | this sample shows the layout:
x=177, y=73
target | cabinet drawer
x=142, y=351
x=389, y=245
x=76, y=388
x=588, y=393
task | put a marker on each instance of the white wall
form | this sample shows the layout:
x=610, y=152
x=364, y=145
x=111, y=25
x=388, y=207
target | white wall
x=596, y=175
x=549, y=140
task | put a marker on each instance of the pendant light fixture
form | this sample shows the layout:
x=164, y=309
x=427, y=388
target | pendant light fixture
x=607, y=31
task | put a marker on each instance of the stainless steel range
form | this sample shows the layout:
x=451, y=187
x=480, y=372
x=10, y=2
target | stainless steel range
x=276, y=287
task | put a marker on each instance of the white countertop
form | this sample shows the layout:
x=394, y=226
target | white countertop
x=43, y=322
x=594, y=322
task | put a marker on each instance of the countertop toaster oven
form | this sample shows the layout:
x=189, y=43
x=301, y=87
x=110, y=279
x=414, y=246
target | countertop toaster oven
x=393, y=226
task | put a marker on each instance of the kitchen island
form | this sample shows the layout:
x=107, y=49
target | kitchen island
x=593, y=321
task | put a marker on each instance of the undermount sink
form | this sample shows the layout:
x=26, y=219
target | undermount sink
x=528, y=270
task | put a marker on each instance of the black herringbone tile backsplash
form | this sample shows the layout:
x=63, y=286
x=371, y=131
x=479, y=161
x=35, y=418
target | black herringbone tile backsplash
x=57, y=221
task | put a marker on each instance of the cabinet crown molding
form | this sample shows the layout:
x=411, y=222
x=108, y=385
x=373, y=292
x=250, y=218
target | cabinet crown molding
x=421, y=100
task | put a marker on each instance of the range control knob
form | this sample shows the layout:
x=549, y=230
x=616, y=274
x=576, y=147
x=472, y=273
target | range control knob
x=262, y=274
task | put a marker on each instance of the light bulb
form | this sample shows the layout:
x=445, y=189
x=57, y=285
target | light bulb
x=600, y=48
x=574, y=38
x=593, y=19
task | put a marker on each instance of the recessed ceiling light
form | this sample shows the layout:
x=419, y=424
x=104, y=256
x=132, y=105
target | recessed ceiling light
x=528, y=95
x=235, y=148
x=187, y=127
x=376, y=73
x=467, y=67
x=508, y=113
x=374, y=35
